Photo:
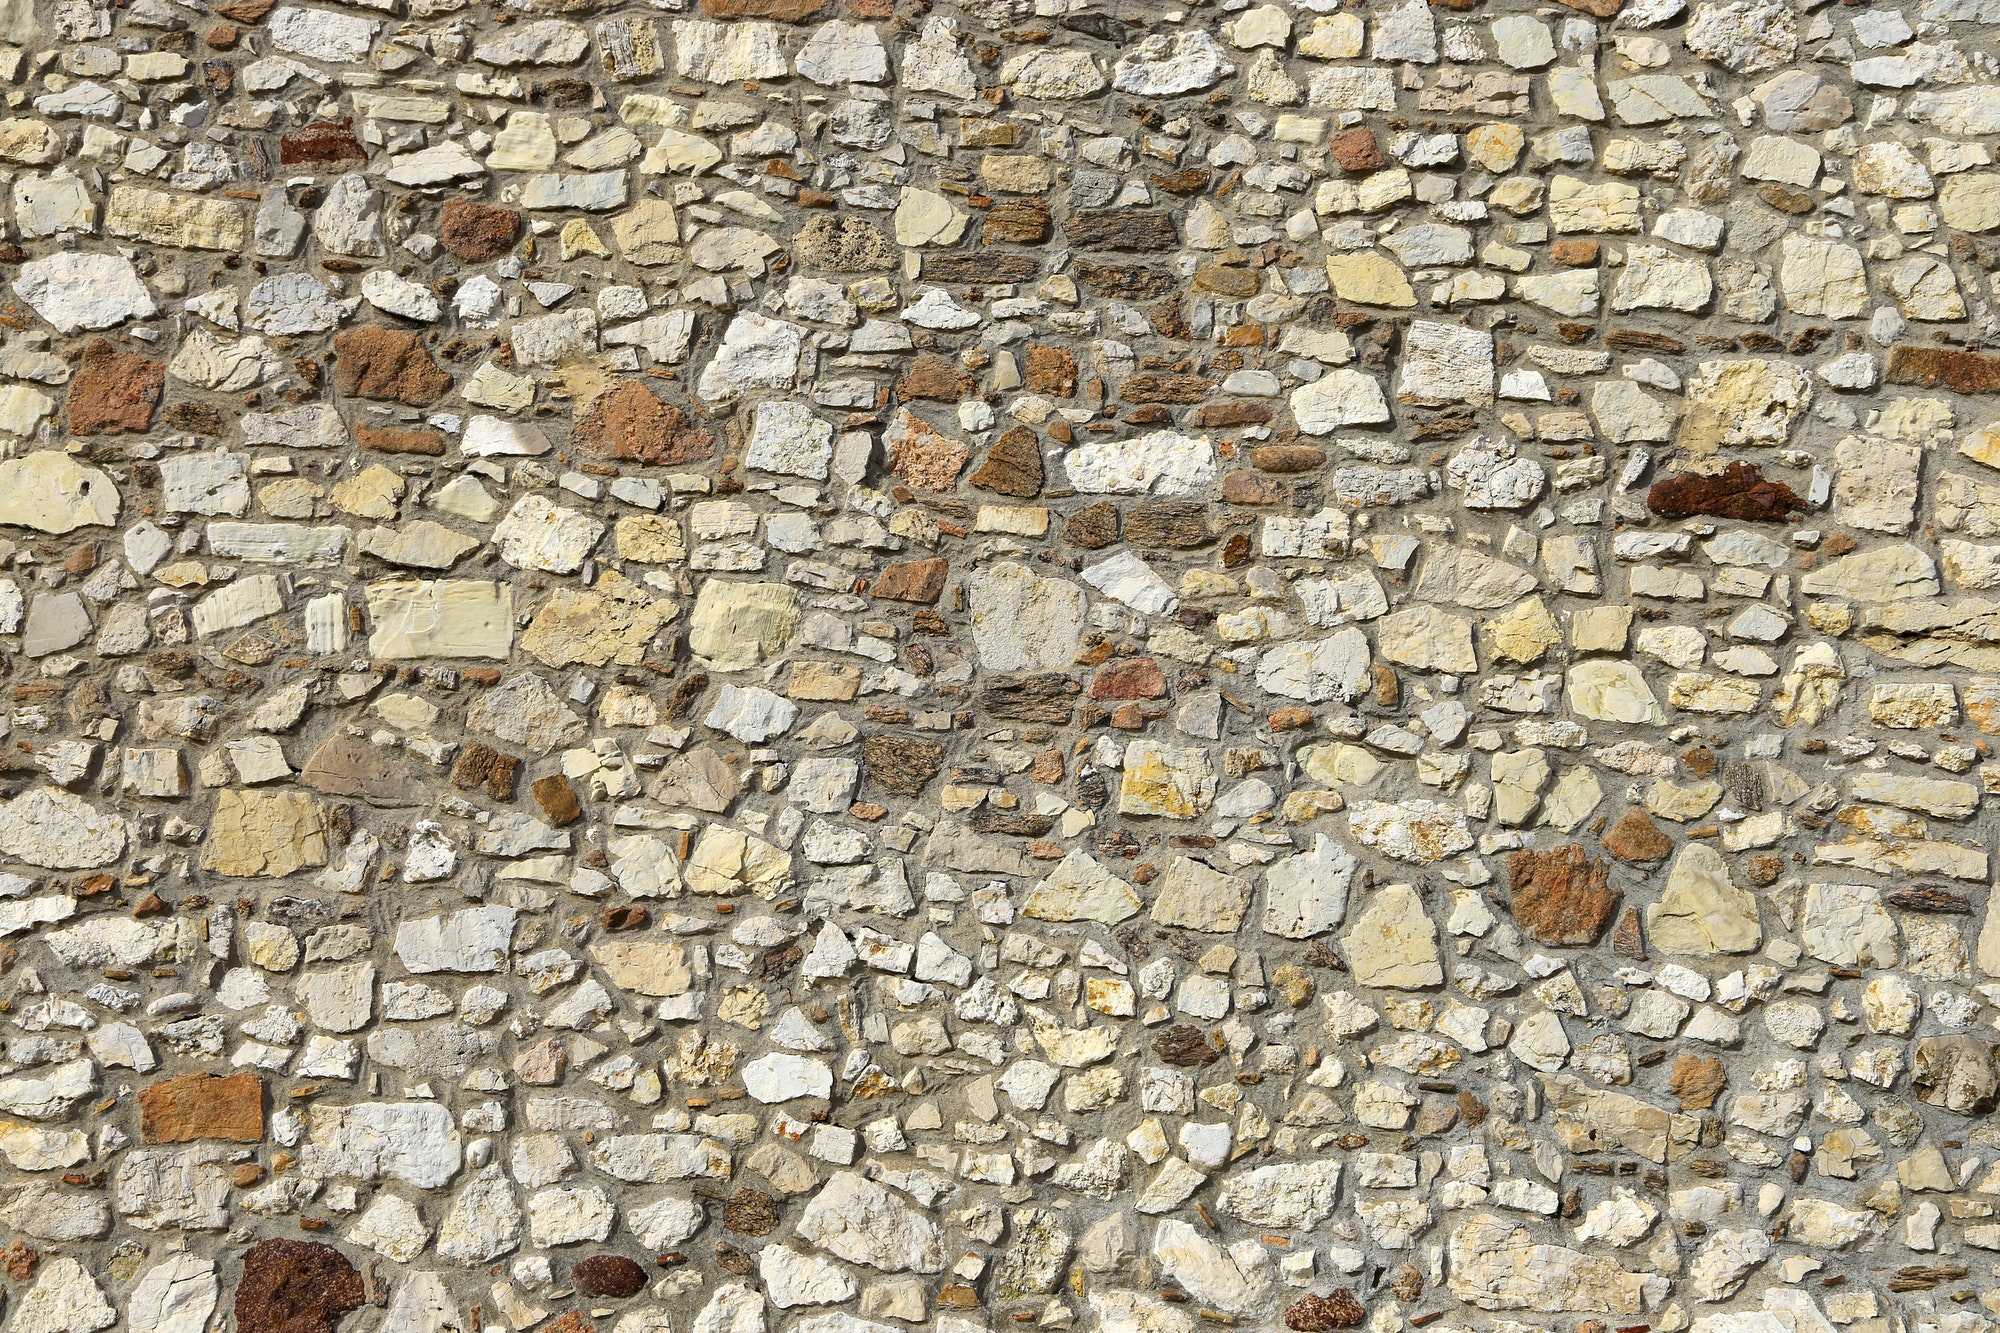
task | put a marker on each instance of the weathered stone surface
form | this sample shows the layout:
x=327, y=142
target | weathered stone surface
x=203, y=1106
x=295, y=1286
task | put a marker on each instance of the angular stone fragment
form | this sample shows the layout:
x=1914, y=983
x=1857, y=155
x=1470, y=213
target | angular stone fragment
x=203, y=1106
x=375, y=362
x=295, y=1286
x=1561, y=896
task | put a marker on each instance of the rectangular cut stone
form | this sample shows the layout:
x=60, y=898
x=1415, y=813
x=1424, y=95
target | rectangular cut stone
x=180, y=220
x=445, y=618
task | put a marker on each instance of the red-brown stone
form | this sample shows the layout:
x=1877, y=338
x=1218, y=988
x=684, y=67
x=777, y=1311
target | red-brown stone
x=1635, y=838
x=477, y=232
x=1013, y=465
x=374, y=362
x=934, y=378
x=913, y=581
x=114, y=392
x=1739, y=492
x=1129, y=678
x=202, y=1106
x=1050, y=370
x=1322, y=1314
x=295, y=1286
x=1356, y=150
x=1561, y=896
x=322, y=141
x=1942, y=368
x=1697, y=1081
x=384, y=440
x=1287, y=457
x=631, y=423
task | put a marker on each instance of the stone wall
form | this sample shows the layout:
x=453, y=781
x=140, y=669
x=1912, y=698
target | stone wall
x=840, y=666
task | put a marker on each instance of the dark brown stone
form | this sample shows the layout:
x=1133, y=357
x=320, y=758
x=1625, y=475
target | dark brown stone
x=1050, y=370
x=295, y=1286
x=202, y=1106
x=1561, y=896
x=20, y=1260
x=1287, y=457
x=1039, y=697
x=1635, y=838
x=980, y=268
x=919, y=581
x=633, y=424
x=934, y=378
x=192, y=418
x=1180, y=525
x=1016, y=222
x=477, y=232
x=114, y=392
x=610, y=1275
x=1121, y=229
x=1235, y=414
x=1010, y=823
x=750, y=1213
x=557, y=799
x=1185, y=1046
x=1321, y=1314
x=1093, y=527
x=322, y=141
x=1013, y=466
x=901, y=765
x=374, y=362
x=1697, y=1081
x=1929, y=898
x=246, y=11
x=1128, y=282
x=1796, y=202
x=1574, y=253
x=839, y=243
x=1942, y=368
x=570, y=1321
x=483, y=766
x=1356, y=150
x=1247, y=488
x=345, y=765
x=1150, y=388
x=387, y=441
x=1739, y=492
x=1635, y=340
x=1129, y=678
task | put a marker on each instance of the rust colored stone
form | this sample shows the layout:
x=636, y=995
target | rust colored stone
x=901, y=765
x=1092, y=527
x=1191, y=180
x=222, y=37
x=934, y=378
x=1129, y=678
x=1294, y=718
x=322, y=141
x=376, y=362
x=295, y=1286
x=1697, y=1081
x=1561, y=896
x=202, y=1106
x=1013, y=466
x=1603, y=9
x=1035, y=697
x=557, y=799
x=1740, y=493
x=477, y=232
x=114, y=392
x=1287, y=457
x=1356, y=150
x=1247, y=488
x=1942, y=368
x=1635, y=838
x=481, y=765
x=633, y=424
x=1048, y=767
x=1320, y=1314
x=1574, y=253
x=610, y=1275
x=388, y=441
x=20, y=1260
x=1050, y=370
x=570, y=1321
x=1185, y=1046
x=912, y=581
x=246, y=11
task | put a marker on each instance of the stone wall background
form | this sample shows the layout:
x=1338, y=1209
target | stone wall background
x=828, y=666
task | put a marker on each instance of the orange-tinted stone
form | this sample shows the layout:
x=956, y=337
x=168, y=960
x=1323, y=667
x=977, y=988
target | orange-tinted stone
x=202, y=1106
x=114, y=392
x=391, y=364
x=632, y=423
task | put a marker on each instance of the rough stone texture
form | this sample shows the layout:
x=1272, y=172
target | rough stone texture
x=775, y=667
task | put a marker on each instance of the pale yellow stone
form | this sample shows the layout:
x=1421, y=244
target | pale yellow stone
x=188, y=222
x=1369, y=277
